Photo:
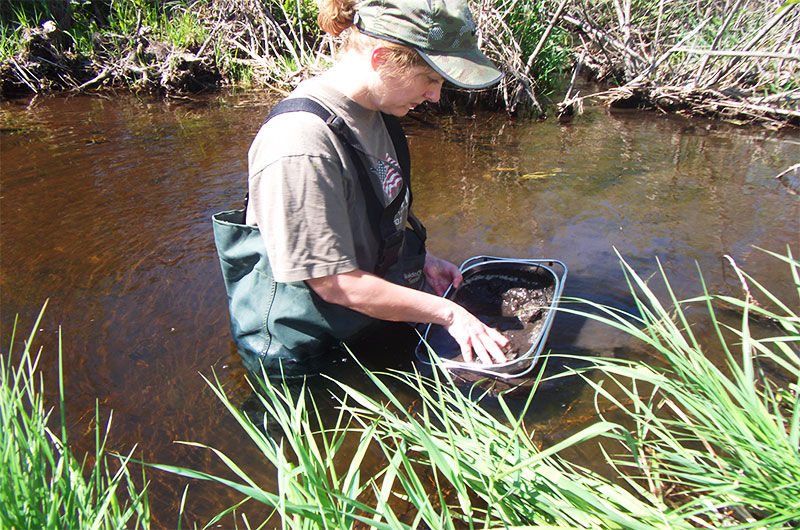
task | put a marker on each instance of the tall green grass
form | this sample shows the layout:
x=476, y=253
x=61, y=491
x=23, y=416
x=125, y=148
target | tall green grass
x=15, y=18
x=710, y=446
x=450, y=460
x=725, y=439
x=42, y=484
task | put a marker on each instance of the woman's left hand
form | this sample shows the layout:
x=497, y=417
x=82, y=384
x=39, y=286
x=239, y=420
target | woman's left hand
x=440, y=274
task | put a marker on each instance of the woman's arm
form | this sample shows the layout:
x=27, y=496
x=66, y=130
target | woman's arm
x=381, y=299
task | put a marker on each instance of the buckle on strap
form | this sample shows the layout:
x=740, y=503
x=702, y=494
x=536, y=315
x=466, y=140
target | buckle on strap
x=336, y=123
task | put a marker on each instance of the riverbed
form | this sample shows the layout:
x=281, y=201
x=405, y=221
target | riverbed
x=105, y=213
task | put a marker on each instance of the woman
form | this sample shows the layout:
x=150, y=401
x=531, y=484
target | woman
x=314, y=212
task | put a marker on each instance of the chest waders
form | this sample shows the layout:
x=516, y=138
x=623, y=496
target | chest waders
x=286, y=327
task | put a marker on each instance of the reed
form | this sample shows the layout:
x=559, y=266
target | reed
x=450, y=460
x=42, y=484
x=710, y=446
x=724, y=440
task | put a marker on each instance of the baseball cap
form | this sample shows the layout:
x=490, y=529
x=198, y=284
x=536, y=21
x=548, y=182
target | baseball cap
x=441, y=31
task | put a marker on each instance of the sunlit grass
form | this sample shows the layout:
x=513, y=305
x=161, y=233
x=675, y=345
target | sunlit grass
x=724, y=439
x=705, y=445
x=710, y=446
x=42, y=485
x=449, y=459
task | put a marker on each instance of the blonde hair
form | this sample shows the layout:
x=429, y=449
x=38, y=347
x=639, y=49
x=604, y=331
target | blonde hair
x=336, y=18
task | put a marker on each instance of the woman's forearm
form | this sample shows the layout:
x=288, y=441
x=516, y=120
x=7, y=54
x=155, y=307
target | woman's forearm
x=381, y=299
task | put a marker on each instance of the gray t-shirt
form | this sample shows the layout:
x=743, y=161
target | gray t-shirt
x=305, y=196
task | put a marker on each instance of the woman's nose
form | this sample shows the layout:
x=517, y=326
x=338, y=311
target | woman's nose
x=434, y=92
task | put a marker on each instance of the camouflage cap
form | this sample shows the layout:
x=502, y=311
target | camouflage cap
x=441, y=31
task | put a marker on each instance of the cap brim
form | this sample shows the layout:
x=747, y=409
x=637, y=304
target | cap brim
x=469, y=69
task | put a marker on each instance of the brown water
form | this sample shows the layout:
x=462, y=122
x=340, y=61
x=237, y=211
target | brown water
x=105, y=207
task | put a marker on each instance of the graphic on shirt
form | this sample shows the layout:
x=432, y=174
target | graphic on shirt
x=389, y=173
x=391, y=177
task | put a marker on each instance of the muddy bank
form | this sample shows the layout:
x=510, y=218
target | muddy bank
x=733, y=61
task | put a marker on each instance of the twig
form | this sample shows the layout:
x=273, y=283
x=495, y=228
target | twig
x=24, y=75
x=717, y=38
x=767, y=27
x=95, y=80
x=738, y=53
x=787, y=171
x=745, y=288
x=574, y=76
x=658, y=24
x=624, y=15
x=599, y=34
x=669, y=52
x=544, y=36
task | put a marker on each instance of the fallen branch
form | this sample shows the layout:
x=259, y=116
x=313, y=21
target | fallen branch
x=102, y=76
x=788, y=170
x=738, y=53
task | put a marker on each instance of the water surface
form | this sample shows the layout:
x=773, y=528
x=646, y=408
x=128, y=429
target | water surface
x=105, y=211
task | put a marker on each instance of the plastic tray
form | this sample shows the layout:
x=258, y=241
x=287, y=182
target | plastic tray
x=541, y=274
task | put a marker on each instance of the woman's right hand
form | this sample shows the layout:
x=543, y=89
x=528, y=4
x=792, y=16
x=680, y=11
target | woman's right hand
x=473, y=335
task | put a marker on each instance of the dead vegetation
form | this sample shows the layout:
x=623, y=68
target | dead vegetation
x=731, y=59
x=737, y=60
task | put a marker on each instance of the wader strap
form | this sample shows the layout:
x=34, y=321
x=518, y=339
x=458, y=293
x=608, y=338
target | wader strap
x=391, y=239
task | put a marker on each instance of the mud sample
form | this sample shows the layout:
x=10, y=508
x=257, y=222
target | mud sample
x=513, y=301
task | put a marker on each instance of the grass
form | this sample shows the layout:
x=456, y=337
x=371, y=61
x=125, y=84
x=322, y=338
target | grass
x=15, y=19
x=699, y=444
x=453, y=462
x=42, y=485
x=710, y=446
x=725, y=438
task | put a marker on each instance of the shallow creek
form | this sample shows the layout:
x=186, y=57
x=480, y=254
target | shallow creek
x=105, y=209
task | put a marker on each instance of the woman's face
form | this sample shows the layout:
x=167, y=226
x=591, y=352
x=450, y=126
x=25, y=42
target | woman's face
x=400, y=93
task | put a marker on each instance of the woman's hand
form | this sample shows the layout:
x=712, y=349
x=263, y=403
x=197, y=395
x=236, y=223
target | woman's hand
x=440, y=274
x=473, y=335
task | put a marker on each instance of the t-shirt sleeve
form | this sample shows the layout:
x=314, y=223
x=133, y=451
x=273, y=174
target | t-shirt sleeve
x=298, y=196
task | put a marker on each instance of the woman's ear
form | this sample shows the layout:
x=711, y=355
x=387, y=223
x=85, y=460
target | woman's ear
x=379, y=57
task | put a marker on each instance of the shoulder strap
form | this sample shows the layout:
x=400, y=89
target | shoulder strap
x=390, y=238
x=399, y=140
x=403, y=153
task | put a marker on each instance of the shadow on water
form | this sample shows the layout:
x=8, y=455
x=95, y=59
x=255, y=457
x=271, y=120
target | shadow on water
x=105, y=211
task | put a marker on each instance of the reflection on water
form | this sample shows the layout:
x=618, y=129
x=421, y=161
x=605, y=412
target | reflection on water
x=105, y=209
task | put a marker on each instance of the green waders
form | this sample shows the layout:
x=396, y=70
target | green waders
x=286, y=327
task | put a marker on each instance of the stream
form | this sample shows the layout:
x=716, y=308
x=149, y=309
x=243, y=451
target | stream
x=105, y=206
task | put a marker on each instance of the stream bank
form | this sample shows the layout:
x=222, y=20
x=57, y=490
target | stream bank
x=736, y=61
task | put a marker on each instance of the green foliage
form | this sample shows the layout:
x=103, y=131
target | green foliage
x=453, y=462
x=300, y=17
x=528, y=21
x=23, y=13
x=9, y=42
x=729, y=442
x=182, y=27
x=15, y=17
x=42, y=485
x=711, y=446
